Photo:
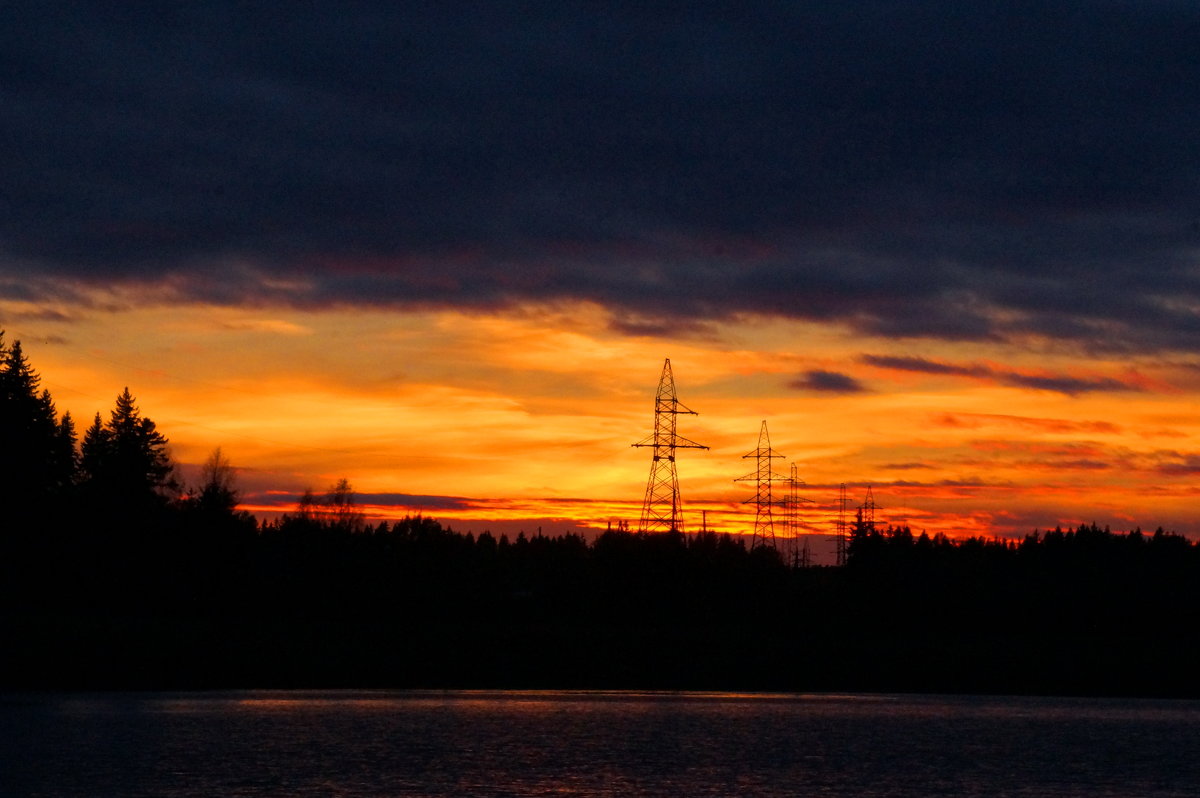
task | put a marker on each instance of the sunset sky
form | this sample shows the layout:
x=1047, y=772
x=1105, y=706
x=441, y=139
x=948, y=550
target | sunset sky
x=948, y=250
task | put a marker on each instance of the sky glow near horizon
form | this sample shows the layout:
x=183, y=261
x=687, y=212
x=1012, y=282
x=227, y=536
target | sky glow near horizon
x=522, y=421
x=952, y=253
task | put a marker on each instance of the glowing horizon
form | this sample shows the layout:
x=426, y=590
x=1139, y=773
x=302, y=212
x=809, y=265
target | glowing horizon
x=511, y=417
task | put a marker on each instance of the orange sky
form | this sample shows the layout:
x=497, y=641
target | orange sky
x=442, y=251
x=525, y=418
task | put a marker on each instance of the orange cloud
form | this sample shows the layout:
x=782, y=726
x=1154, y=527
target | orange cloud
x=532, y=413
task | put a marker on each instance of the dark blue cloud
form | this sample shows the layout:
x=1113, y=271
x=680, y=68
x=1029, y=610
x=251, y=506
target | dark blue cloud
x=1178, y=464
x=827, y=382
x=423, y=501
x=932, y=169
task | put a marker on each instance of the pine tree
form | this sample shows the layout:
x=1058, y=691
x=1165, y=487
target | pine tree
x=139, y=450
x=65, y=455
x=125, y=462
x=93, y=453
x=36, y=454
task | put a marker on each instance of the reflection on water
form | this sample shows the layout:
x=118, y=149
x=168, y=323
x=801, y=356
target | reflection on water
x=593, y=744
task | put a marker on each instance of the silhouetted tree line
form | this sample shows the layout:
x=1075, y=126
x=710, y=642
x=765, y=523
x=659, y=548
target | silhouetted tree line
x=113, y=574
x=1087, y=547
x=119, y=476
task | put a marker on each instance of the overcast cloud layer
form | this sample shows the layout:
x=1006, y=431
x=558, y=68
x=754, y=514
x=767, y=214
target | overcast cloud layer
x=949, y=170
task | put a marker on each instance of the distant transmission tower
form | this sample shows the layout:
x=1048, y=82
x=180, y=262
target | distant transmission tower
x=866, y=511
x=791, y=513
x=661, y=510
x=764, y=502
x=791, y=504
x=791, y=520
x=841, y=526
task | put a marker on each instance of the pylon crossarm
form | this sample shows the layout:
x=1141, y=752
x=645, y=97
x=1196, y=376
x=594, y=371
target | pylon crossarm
x=765, y=476
x=767, y=453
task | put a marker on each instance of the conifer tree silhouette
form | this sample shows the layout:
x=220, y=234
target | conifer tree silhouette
x=125, y=461
x=93, y=454
x=37, y=454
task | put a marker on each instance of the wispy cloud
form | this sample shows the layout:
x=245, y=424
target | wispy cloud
x=1058, y=383
x=1179, y=464
x=1050, y=425
x=278, y=326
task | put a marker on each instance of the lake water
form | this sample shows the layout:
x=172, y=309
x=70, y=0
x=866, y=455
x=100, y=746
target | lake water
x=593, y=744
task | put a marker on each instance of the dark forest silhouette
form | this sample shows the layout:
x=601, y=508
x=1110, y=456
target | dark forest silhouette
x=113, y=574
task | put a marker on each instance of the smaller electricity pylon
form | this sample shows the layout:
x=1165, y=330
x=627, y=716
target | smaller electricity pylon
x=764, y=501
x=840, y=537
x=662, y=510
x=866, y=512
x=801, y=556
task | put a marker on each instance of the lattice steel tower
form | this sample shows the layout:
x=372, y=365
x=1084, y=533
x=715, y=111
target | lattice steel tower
x=662, y=510
x=791, y=504
x=764, y=502
x=801, y=556
x=866, y=511
x=841, y=526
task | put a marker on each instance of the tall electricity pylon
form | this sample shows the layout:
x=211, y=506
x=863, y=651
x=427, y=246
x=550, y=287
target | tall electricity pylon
x=662, y=510
x=801, y=556
x=764, y=502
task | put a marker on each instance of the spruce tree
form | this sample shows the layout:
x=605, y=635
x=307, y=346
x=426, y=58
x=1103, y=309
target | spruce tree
x=124, y=461
x=93, y=453
x=37, y=459
x=65, y=455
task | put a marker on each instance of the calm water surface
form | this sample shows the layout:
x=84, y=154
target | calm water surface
x=593, y=744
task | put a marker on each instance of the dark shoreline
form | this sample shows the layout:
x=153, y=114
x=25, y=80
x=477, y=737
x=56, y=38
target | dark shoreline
x=1083, y=613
